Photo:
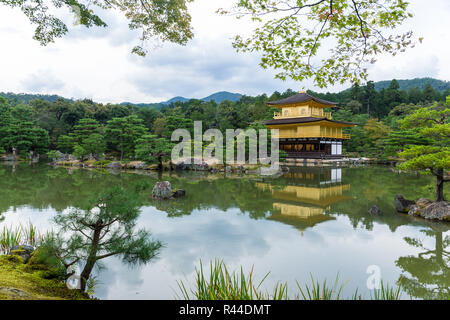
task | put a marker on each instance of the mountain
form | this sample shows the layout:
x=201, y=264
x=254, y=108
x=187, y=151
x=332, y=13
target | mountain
x=175, y=99
x=27, y=97
x=218, y=97
x=222, y=96
x=439, y=85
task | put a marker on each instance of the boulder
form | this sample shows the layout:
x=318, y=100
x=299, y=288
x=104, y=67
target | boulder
x=201, y=166
x=214, y=170
x=134, y=165
x=181, y=166
x=178, y=193
x=9, y=157
x=375, y=211
x=437, y=211
x=140, y=165
x=401, y=204
x=59, y=156
x=14, y=293
x=23, y=251
x=416, y=209
x=269, y=171
x=114, y=165
x=162, y=190
x=423, y=202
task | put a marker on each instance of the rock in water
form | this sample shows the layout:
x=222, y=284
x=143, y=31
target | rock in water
x=416, y=209
x=375, y=211
x=401, y=204
x=437, y=210
x=24, y=251
x=162, y=190
x=114, y=165
x=178, y=193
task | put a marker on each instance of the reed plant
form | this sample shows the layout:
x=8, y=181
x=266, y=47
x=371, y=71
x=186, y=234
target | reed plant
x=221, y=284
x=386, y=292
x=324, y=291
x=9, y=237
x=19, y=235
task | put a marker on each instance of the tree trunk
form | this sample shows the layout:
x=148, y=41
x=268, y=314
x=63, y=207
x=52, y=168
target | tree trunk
x=91, y=260
x=121, y=148
x=160, y=163
x=84, y=277
x=440, y=185
x=439, y=249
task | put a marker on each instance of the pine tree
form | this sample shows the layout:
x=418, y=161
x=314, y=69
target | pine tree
x=105, y=228
x=123, y=134
x=433, y=123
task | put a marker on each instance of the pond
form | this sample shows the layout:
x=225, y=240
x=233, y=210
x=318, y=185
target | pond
x=309, y=222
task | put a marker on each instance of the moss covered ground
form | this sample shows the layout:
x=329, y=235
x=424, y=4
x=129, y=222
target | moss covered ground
x=19, y=281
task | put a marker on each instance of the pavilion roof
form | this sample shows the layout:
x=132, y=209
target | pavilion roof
x=299, y=98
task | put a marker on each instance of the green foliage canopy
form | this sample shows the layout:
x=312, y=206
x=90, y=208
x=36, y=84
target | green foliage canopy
x=291, y=34
x=167, y=20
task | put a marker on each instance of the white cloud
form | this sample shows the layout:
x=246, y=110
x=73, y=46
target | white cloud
x=42, y=81
x=97, y=63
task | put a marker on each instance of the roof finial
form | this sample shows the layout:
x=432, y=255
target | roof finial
x=303, y=90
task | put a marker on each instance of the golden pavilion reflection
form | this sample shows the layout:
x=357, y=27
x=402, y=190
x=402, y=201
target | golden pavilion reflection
x=306, y=195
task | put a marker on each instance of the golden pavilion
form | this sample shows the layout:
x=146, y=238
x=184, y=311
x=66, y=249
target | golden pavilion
x=305, y=130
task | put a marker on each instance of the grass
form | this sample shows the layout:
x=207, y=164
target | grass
x=10, y=237
x=317, y=291
x=221, y=284
x=386, y=292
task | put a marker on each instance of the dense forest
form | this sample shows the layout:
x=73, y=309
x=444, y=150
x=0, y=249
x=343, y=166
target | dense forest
x=122, y=131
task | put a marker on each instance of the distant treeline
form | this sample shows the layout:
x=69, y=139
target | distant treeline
x=378, y=103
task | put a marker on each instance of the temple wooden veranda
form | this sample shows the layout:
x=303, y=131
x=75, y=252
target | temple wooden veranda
x=306, y=130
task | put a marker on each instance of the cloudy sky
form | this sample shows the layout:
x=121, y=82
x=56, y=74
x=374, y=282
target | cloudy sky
x=96, y=63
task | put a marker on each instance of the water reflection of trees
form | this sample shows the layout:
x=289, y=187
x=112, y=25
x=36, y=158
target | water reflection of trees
x=311, y=192
x=378, y=186
x=427, y=275
x=42, y=186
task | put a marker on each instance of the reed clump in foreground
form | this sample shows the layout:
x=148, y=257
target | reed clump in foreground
x=221, y=284
x=19, y=235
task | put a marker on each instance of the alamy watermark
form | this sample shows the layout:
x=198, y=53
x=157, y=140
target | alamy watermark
x=73, y=282
x=241, y=146
x=374, y=280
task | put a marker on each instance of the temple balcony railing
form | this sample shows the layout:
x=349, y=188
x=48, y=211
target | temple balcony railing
x=279, y=115
x=343, y=136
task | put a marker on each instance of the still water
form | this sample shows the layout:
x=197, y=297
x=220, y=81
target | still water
x=310, y=221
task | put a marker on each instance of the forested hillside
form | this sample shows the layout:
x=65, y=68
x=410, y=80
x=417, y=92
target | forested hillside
x=412, y=84
x=27, y=97
x=420, y=83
